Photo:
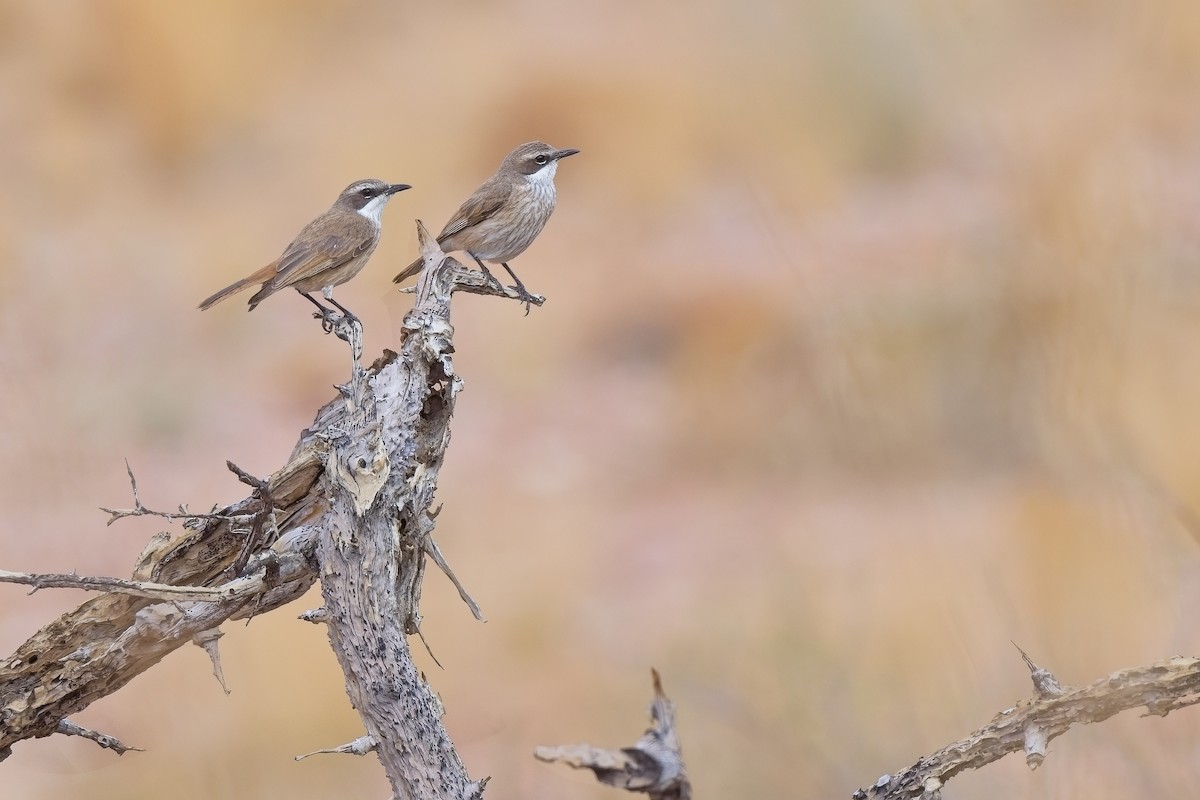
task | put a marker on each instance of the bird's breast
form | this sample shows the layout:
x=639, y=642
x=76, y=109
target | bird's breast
x=513, y=228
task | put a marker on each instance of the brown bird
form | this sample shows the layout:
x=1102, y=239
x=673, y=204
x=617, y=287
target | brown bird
x=506, y=213
x=328, y=252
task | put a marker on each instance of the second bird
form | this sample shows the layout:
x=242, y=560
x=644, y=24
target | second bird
x=331, y=249
x=506, y=213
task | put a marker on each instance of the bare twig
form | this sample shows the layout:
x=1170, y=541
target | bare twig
x=260, y=534
x=359, y=747
x=1043, y=680
x=253, y=481
x=425, y=642
x=1030, y=726
x=435, y=553
x=68, y=728
x=236, y=589
x=140, y=510
x=654, y=765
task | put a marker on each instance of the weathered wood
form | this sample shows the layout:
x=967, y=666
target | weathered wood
x=1029, y=726
x=385, y=436
x=653, y=765
x=104, y=643
x=381, y=478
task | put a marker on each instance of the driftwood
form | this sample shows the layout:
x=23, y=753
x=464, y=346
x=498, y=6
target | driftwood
x=353, y=508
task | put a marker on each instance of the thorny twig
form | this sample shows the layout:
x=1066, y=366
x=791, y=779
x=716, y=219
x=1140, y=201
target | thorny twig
x=140, y=510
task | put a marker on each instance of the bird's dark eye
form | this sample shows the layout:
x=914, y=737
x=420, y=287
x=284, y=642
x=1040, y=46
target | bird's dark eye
x=368, y=192
x=540, y=159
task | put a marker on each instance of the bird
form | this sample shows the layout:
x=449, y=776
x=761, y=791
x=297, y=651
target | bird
x=504, y=215
x=329, y=251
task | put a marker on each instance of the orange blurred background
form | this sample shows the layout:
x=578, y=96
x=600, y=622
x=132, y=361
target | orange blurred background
x=870, y=346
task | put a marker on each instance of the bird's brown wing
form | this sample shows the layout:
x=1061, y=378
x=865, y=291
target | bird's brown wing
x=326, y=243
x=486, y=201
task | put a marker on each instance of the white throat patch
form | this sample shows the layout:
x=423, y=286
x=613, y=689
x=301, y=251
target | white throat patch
x=373, y=210
x=545, y=175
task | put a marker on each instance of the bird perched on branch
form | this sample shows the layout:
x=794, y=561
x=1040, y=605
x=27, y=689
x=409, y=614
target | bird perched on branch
x=506, y=213
x=331, y=250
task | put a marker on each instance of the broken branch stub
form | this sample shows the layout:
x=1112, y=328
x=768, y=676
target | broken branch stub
x=654, y=765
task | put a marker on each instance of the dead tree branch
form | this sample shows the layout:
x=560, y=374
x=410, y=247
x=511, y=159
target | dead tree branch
x=654, y=765
x=68, y=728
x=103, y=644
x=359, y=747
x=380, y=479
x=233, y=590
x=352, y=506
x=1032, y=724
x=140, y=510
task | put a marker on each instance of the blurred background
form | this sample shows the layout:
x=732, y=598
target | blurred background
x=870, y=346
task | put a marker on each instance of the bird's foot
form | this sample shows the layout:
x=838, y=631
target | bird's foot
x=340, y=325
x=329, y=318
x=527, y=299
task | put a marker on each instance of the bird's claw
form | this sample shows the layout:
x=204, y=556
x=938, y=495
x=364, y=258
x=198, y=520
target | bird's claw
x=328, y=319
x=333, y=322
x=524, y=297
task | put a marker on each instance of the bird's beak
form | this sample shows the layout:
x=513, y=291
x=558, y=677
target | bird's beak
x=397, y=187
x=557, y=154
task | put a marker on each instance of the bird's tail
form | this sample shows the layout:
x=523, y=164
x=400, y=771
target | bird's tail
x=228, y=291
x=409, y=271
x=261, y=276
